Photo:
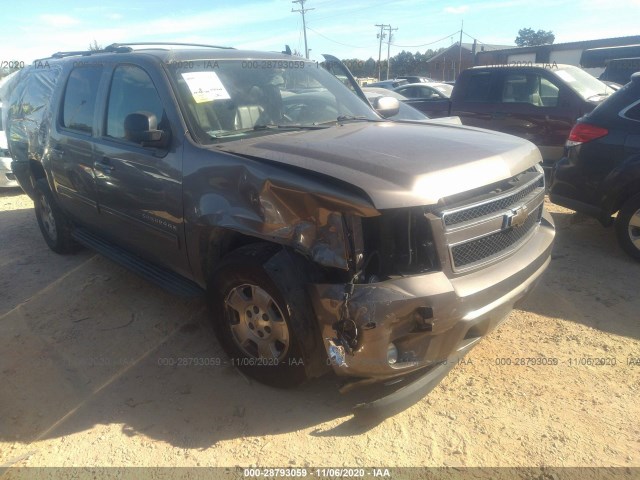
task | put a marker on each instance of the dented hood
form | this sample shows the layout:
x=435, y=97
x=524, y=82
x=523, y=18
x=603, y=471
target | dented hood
x=398, y=165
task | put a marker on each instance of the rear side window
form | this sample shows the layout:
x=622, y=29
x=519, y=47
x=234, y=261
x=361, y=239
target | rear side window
x=529, y=88
x=634, y=112
x=408, y=92
x=478, y=87
x=80, y=98
x=131, y=91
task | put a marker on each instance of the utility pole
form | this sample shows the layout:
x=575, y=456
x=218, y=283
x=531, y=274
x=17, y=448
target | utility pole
x=460, y=60
x=381, y=35
x=391, y=30
x=304, y=24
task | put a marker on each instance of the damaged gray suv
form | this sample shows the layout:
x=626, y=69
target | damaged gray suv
x=324, y=236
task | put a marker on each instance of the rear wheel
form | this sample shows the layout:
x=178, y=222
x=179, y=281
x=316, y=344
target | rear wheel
x=628, y=227
x=258, y=317
x=54, y=224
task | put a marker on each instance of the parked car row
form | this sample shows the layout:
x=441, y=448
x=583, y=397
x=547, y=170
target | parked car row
x=388, y=84
x=540, y=103
x=415, y=79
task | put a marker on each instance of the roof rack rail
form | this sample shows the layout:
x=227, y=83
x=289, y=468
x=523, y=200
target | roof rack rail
x=110, y=49
x=126, y=48
x=123, y=45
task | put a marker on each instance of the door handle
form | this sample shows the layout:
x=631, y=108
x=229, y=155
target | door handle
x=498, y=115
x=104, y=165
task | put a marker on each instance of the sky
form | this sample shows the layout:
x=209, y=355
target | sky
x=346, y=29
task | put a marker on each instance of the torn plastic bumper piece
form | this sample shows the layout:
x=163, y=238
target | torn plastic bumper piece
x=408, y=395
x=336, y=353
x=410, y=324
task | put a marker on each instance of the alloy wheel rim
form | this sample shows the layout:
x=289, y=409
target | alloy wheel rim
x=257, y=324
x=634, y=229
x=48, y=220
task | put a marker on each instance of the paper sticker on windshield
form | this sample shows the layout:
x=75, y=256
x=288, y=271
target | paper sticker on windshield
x=205, y=86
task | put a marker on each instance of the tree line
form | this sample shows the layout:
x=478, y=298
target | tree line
x=403, y=63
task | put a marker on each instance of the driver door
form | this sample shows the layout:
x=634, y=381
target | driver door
x=140, y=186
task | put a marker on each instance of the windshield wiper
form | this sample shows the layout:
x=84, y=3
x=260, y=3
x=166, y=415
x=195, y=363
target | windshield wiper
x=256, y=128
x=288, y=127
x=348, y=118
x=226, y=133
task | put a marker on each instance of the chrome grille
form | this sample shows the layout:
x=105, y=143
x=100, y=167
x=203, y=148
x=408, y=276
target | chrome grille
x=487, y=227
x=472, y=213
x=485, y=247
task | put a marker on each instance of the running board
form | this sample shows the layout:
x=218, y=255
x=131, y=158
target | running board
x=162, y=277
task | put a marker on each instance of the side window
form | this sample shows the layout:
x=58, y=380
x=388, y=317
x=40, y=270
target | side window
x=634, y=112
x=80, y=98
x=478, y=87
x=423, y=92
x=430, y=93
x=131, y=91
x=529, y=88
x=549, y=93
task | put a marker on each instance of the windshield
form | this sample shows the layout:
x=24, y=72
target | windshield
x=231, y=99
x=584, y=84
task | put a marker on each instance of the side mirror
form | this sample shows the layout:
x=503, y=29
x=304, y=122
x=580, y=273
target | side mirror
x=386, y=106
x=142, y=127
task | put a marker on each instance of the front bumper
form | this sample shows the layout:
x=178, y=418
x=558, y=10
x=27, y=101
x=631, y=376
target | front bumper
x=7, y=177
x=430, y=318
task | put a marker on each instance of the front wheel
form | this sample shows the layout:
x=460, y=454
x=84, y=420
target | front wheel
x=628, y=227
x=264, y=321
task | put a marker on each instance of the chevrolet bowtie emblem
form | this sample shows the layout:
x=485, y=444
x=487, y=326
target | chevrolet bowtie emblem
x=516, y=217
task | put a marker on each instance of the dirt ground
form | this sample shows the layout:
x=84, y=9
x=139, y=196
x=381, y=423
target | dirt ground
x=84, y=380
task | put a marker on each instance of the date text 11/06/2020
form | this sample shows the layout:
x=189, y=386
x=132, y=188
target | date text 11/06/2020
x=499, y=361
x=266, y=362
x=301, y=472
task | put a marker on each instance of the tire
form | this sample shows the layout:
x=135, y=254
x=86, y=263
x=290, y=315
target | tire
x=262, y=319
x=54, y=225
x=628, y=227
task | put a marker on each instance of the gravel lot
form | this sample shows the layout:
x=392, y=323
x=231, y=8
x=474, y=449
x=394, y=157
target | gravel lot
x=84, y=382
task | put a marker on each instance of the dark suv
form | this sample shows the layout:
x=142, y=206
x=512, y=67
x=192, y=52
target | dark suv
x=324, y=236
x=620, y=70
x=600, y=173
x=538, y=102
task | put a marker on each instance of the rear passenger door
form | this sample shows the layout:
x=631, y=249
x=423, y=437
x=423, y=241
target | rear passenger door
x=476, y=97
x=535, y=107
x=71, y=144
x=140, y=184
